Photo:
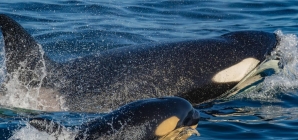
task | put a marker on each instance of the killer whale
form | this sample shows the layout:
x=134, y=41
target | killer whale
x=154, y=118
x=197, y=70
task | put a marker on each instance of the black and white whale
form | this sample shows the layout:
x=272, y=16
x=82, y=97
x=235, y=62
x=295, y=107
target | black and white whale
x=154, y=118
x=197, y=70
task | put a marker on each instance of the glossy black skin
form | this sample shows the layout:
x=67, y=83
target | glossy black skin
x=118, y=76
x=142, y=115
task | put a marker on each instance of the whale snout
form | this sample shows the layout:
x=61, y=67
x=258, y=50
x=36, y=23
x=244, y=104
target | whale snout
x=192, y=118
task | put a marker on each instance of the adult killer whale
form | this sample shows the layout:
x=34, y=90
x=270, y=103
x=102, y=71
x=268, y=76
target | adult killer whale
x=197, y=70
x=154, y=118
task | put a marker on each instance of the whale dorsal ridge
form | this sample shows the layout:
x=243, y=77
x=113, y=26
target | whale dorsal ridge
x=22, y=53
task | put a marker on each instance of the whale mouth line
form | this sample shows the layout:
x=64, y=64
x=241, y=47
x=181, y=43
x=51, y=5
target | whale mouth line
x=268, y=67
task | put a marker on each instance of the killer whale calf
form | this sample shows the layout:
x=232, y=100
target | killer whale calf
x=197, y=70
x=154, y=118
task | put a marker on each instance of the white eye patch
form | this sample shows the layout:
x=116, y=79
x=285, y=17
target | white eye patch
x=236, y=72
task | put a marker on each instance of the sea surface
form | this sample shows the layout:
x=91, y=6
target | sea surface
x=69, y=29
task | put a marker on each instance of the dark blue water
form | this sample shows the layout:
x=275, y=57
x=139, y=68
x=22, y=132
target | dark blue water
x=71, y=29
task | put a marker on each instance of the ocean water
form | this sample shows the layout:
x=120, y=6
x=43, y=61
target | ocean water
x=72, y=29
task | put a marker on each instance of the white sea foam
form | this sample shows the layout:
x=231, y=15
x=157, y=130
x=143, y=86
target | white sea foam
x=20, y=94
x=30, y=133
x=288, y=76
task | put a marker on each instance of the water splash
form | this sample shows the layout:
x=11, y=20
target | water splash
x=288, y=50
x=29, y=132
x=18, y=93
